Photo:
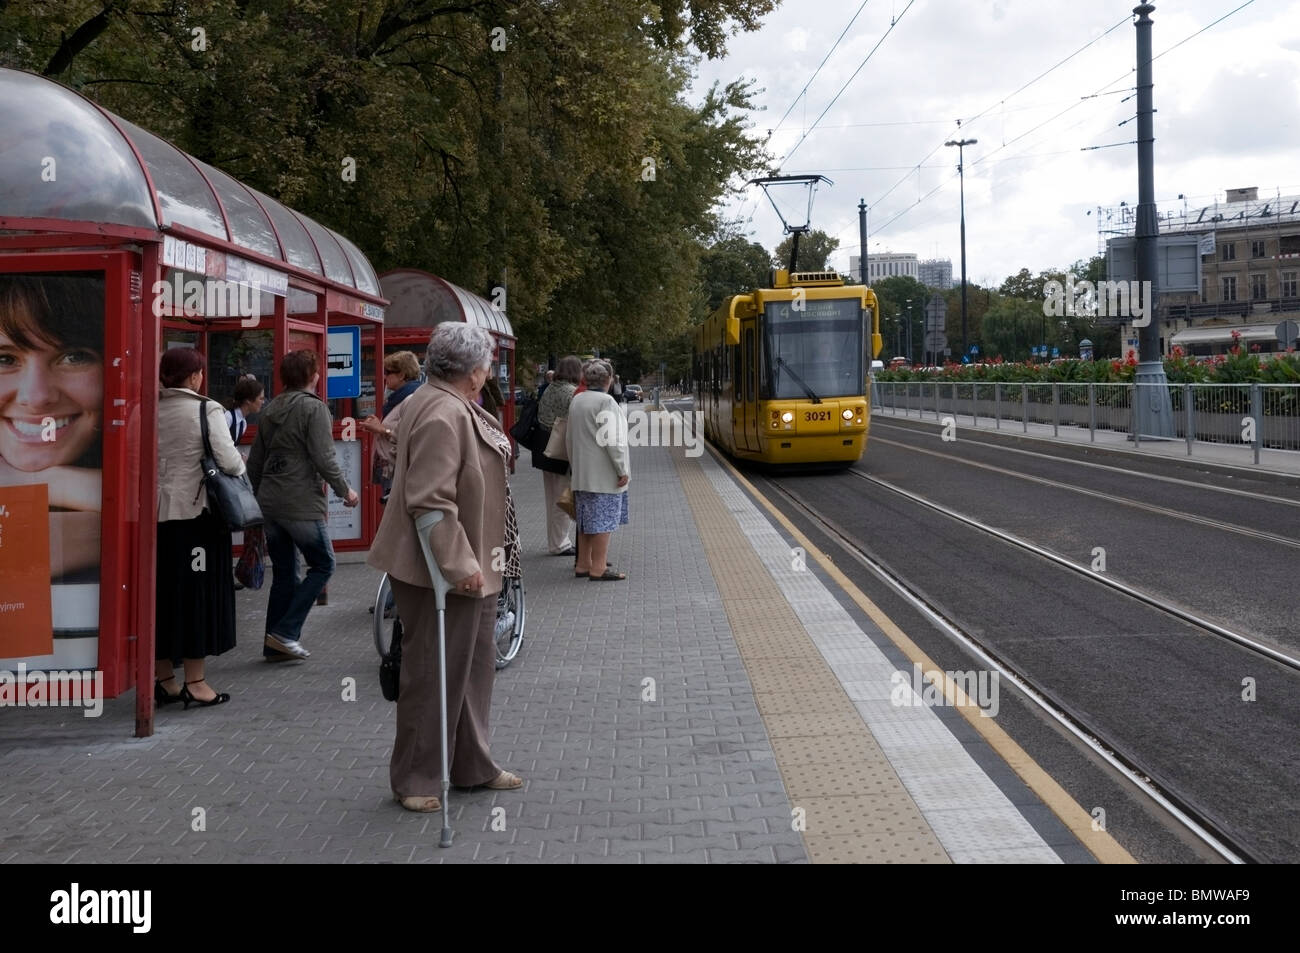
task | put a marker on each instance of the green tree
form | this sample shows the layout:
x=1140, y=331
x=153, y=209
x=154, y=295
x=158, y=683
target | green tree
x=1022, y=285
x=1013, y=325
x=732, y=265
x=493, y=143
x=815, y=250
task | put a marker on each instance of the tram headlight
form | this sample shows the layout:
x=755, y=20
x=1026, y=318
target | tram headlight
x=847, y=413
x=787, y=417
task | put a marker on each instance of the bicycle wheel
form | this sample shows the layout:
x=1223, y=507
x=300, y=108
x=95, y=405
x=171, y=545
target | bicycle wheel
x=510, y=620
x=387, y=626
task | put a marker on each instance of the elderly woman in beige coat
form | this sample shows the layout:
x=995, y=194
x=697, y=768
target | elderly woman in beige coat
x=451, y=457
x=600, y=468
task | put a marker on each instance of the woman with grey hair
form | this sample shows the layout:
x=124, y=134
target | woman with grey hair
x=600, y=468
x=451, y=457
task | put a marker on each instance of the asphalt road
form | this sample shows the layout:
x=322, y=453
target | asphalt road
x=1163, y=692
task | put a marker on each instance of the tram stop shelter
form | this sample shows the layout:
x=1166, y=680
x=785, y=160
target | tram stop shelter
x=114, y=246
x=419, y=301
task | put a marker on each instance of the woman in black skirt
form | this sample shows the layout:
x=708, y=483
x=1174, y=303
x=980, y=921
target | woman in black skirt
x=196, y=583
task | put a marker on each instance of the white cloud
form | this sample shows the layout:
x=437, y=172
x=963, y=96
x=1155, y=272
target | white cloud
x=1227, y=115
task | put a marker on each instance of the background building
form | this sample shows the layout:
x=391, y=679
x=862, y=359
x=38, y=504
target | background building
x=1250, y=271
x=936, y=273
x=888, y=265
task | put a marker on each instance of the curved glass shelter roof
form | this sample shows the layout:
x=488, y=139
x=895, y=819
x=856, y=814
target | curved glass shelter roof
x=421, y=300
x=63, y=157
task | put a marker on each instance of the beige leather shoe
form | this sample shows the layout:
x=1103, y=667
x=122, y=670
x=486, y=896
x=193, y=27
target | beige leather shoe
x=424, y=805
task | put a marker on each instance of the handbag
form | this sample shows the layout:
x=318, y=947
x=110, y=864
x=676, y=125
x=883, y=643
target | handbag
x=231, y=497
x=251, y=568
x=390, y=667
x=565, y=502
x=523, y=428
x=555, y=444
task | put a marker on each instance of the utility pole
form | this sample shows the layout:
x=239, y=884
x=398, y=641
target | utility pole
x=862, y=239
x=1155, y=416
x=961, y=144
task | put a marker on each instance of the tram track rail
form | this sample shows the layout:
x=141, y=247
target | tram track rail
x=1107, y=497
x=1198, y=819
x=1127, y=472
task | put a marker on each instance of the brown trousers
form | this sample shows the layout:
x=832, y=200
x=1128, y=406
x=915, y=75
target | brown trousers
x=416, y=768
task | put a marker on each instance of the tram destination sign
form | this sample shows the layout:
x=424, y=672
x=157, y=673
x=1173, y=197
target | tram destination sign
x=813, y=309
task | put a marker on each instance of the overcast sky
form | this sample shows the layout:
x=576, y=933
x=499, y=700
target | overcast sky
x=1228, y=116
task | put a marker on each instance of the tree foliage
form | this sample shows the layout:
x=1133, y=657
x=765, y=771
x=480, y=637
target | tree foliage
x=731, y=265
x=815, y=250
x=548, y=148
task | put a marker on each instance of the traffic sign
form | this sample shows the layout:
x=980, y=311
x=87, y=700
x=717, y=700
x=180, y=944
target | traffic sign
x=1287, y=332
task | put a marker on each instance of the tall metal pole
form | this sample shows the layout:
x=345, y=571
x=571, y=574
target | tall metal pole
x=862, y=239
x=961, y=176
x=1154, y=406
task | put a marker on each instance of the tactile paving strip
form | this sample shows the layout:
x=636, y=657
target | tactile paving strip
x=855, y=809
x=911, y=736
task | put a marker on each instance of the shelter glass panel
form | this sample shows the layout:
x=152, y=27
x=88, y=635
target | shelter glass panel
x=249, y=225
x=50, y=131
x=235, y=353
x=331, y=255
x=298, y=249
x=365, y=275
x=184, y=194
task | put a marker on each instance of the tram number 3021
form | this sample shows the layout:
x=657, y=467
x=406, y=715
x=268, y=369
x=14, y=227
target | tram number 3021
x=816, y=415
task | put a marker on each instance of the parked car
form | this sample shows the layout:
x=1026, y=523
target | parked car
x=633, y=392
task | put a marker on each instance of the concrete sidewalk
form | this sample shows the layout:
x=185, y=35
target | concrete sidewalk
x=628, y=711
x=717, y=706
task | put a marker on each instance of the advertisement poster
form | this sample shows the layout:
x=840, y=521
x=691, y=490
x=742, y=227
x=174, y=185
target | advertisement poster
x=51, y=413
x=25, y=624
x=345, y=522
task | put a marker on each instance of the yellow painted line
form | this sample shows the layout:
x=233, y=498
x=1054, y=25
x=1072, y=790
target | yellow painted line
x=1102, y=846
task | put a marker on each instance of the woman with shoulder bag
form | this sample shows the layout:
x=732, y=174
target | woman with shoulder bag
x=551, y=409
x=195, y=604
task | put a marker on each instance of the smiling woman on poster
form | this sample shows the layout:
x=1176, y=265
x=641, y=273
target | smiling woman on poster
x=51, y=454
x=51, y=404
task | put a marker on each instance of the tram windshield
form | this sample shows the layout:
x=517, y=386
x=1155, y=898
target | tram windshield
x=817, y=349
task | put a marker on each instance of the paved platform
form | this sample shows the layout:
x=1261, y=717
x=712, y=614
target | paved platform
x=721, y=705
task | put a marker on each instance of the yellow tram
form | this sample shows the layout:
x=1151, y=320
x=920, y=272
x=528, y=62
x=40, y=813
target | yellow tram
x=781, y=373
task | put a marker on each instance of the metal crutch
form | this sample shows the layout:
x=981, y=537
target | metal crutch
x=441, y=587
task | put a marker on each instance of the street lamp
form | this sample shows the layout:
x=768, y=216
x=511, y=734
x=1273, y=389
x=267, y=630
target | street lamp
x=961, y=175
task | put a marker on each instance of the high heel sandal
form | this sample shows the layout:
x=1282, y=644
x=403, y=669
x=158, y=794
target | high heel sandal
x=160, y=696
x=188, y=698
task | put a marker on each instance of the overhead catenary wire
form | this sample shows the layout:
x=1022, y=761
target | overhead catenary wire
x=893, y=23
x=804, y=92
x=1004, y=99
x=1103, y=90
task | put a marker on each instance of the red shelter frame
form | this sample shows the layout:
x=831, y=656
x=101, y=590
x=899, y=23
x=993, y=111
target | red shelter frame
x=419, y=301
x=144, y=213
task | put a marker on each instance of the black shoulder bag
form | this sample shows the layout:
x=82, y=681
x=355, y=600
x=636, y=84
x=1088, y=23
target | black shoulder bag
x=231, y=497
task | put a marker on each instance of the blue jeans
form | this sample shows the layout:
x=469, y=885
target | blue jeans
x=291, y=600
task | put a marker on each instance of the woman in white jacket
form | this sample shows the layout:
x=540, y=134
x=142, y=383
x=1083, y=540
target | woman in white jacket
x=601, y=468
x=195, y=606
